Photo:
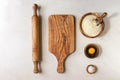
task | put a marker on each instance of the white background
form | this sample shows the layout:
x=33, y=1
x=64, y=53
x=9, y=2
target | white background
x=16, y=41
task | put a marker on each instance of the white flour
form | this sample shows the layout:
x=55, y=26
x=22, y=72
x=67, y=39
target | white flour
x=90, y=27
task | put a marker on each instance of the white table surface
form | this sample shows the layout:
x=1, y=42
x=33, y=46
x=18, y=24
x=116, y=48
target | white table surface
x=16, y=41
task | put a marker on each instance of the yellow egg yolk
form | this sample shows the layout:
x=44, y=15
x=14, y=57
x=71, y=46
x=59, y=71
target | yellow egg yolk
x=91, y=50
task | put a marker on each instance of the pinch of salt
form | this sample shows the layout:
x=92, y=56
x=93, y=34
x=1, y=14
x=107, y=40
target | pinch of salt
x=91, y=69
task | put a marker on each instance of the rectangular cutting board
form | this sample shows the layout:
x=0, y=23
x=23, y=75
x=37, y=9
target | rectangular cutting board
x=61, y=37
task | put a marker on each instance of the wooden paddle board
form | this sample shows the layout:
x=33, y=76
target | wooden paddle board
x=61, y=37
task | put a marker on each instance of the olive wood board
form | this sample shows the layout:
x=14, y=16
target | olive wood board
x=61, y=38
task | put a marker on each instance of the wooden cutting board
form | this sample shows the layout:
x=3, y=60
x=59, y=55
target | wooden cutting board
x=61, y=37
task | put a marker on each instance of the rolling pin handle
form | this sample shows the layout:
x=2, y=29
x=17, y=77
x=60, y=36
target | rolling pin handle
x=36, y=70
x=35, y=6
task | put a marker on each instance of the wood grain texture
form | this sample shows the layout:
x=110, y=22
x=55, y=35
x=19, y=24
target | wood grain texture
x=61, y=38
x=35, y=40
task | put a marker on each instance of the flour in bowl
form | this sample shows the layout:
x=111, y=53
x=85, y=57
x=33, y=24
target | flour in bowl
x=90, y=27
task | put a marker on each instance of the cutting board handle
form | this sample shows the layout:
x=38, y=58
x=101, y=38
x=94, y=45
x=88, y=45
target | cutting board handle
x=60, y=68
x=61, y=62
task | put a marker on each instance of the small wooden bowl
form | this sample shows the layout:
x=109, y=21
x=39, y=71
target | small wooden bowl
x=102, y=24
x=94, y=71
x=86, y=51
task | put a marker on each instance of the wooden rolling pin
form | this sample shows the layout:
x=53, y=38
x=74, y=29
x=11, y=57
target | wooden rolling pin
x=35, y=40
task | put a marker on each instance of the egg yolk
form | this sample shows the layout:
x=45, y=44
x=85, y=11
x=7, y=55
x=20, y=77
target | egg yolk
x=91, y=50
